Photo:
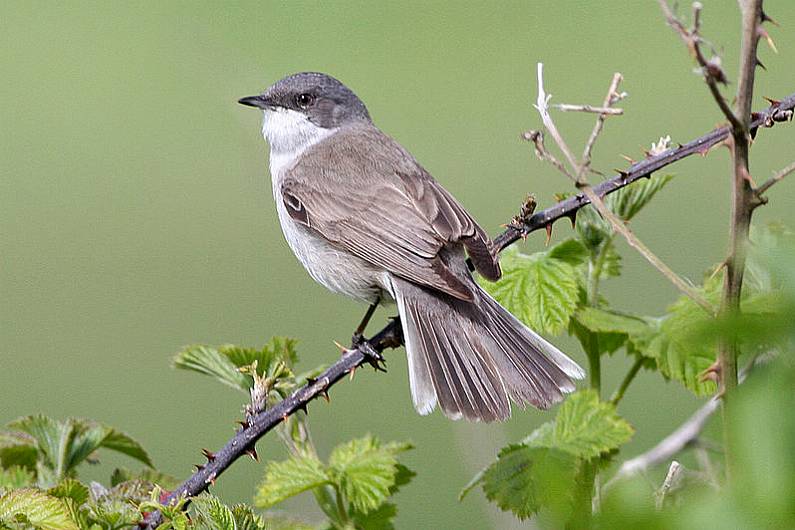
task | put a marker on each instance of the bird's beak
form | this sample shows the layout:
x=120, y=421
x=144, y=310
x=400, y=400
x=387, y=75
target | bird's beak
x=261, y=102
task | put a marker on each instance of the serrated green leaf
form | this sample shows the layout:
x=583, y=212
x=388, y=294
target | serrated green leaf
x=246, y=519
x=224, y=363
x=365, y=471
x=277, y=349
x=289, y=478
x=16, y=477
x=211, y=514
x=63, y=445
x=538, y=289
x=379, y=519
x=525, y=479
x=70, y=489
x=48, y=436
x=584, y=427
x=611, y=262
x=627, y=202
x=36, y=509
x=210, y=361
x=680, y=357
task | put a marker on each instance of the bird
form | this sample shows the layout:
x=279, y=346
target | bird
x=366, y=220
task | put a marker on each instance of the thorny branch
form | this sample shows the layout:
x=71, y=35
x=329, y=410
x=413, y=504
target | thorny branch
x=391, y=336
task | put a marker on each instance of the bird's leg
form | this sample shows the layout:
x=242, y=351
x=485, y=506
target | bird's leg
x=358, y=335
x=359, y=342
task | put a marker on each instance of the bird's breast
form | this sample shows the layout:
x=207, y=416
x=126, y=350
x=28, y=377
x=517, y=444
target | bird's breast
x=336, y=269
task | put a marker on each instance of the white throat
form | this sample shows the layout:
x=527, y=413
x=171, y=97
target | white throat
x=289, y=134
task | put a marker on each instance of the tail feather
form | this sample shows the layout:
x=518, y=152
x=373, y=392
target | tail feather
x=472, y=357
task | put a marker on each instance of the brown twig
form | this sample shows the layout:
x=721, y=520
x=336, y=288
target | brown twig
x=565, y=107
x=577, y=174
x=711, y=69
x=778, y=177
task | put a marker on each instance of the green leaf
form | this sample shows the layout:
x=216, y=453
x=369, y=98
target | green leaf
x=678, y=355
x=16, y=477
x=569, y=251
x=123, y=443
x=246, y=519
x=210, y=361
x=609, y=321
x=277, y=349
x=63, y=445
x=379, y=519
x=289, y=478
x=627, y=202
x=212, y=514
x=584, y=427
x=49, y=437
x=122, y=474
x=224, y=363
x=70, y=489
x=611, y=264
x=538, y=289
x=365, y=471
x=525, y=479
x=36, y=509
x=17, y=449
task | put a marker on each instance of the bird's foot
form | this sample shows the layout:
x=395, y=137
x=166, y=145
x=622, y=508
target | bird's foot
x=371, y=355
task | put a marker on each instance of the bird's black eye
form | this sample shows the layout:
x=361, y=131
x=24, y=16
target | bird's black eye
x=304, y=100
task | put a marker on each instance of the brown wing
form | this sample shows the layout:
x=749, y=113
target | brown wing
x=379, y=204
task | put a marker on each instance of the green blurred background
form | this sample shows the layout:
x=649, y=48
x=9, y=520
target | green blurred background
x=136, y=214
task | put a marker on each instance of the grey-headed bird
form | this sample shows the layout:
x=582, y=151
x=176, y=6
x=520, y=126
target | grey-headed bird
x=368, y=221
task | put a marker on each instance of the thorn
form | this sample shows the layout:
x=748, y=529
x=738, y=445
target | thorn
x=302, y=407
x=747, y=177
x=352, y=372
x=646, y=153
x=342, y=348
x=210, y=480
x=549, y=233
x=753, y=132
x=704, y=151
x=763, y=33
x=572, y=216
x=621, y=172
x=325, y=396
x=208, y=454
x=311, y=381
x=760, y=64
x=628, y=159
x=198, y=467
x=679, y=145
x=712, y=373
x=253, y=454
x=285, y=417
x=766, y=18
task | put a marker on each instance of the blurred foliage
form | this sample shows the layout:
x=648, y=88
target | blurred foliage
x=554, y=470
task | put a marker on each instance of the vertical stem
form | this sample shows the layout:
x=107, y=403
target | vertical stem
x=743, y=205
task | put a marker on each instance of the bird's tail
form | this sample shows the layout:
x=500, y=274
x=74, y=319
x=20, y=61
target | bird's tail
x=473, y=357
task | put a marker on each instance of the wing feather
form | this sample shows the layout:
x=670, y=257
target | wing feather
x=362, y=191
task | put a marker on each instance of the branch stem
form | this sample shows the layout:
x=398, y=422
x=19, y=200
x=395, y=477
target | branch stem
x=622, y=389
